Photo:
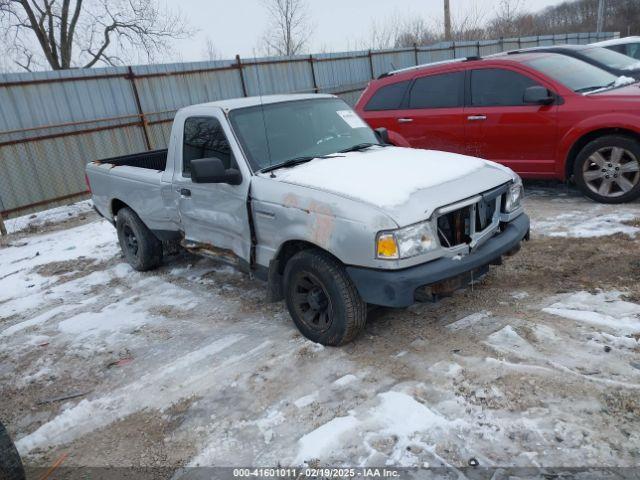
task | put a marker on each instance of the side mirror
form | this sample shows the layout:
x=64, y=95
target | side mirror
x=538, y=95
x=211, y=170
x=383, y=135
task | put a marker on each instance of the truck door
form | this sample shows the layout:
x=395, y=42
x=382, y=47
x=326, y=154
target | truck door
x=214, y=216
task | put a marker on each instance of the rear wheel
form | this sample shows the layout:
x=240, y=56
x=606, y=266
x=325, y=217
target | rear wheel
x=10, y=464
x=322, y=299
x=140, y=246
x=608, y=169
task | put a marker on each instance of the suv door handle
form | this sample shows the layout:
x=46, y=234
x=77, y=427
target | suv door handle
x=405, y=120
x=475, y=118
x=185, y=192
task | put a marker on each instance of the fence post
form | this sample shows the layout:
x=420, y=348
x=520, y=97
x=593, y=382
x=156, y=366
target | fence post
x=3, y=229
x=132, y=78
x=501, y=43
x=538, y=40
x=239, y=67
x=313, y=74
x=478, y=47
x=371, y=64
x=415, y=53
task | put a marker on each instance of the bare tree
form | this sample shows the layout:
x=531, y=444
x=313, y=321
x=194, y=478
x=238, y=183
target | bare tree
x=210, y=51
x=61, y=34
x=289, y=27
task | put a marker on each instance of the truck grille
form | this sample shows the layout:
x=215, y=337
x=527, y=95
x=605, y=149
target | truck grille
x=459, y=226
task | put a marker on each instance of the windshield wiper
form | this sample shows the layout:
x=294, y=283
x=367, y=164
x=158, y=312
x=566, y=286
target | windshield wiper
x=360, y=146
x=292, y=162
x=596, y=87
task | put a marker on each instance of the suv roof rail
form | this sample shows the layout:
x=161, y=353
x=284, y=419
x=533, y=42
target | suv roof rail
x=423, y=65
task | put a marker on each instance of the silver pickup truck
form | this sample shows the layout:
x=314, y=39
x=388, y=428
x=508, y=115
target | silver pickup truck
x=298, y=191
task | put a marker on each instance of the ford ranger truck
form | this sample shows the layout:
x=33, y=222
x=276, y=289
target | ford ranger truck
x=298, y=191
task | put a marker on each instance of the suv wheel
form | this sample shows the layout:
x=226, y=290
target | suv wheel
x=608, y=169
x=322, y=299
x=141, y=248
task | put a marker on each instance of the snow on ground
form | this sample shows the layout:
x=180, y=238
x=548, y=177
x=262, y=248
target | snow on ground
x=187, y=365
x=54, y=215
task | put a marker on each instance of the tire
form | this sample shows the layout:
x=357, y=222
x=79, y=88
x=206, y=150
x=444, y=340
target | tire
x=141, y=248
x=312, y=280
x=607, y=169
x=10, y=464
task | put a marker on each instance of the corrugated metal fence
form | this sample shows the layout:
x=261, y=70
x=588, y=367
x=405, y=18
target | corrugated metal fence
x=53, y=123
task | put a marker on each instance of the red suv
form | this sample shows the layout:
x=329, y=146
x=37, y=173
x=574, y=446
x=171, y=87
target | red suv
x=544, y=115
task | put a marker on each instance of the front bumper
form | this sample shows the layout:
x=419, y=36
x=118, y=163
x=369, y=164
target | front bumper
x=397, y=288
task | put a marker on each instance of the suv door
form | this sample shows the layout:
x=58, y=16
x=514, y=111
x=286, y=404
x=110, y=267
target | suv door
x=214, y=215
x=501, y=127
x=432, y=116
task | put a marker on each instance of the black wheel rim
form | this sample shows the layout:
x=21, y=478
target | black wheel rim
x=130, y=240
x=311, y=302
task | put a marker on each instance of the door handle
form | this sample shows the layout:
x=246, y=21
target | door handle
x=475, y=118
x=405, y=120
x=185, y=192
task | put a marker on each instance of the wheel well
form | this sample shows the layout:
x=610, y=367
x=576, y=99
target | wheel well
x=116, y=205
x=585, y=139
x=289, y=249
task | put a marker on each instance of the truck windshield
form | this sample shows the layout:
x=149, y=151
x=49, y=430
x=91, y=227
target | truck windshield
x=275, y=133
x=575, y=74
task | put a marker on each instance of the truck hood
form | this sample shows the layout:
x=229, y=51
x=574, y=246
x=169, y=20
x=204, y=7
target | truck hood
x=407, y=184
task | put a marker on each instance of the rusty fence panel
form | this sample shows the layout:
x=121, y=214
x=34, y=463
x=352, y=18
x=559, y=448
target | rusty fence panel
x=53, y=123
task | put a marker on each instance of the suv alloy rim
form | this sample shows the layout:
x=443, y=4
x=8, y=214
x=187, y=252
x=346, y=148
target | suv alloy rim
x=311, y=302
x=611, y=171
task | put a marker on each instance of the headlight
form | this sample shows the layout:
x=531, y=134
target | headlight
x=514, y=197
x=406, y=242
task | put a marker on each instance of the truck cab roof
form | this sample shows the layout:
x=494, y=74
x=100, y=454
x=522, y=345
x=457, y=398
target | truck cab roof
x=235, y=103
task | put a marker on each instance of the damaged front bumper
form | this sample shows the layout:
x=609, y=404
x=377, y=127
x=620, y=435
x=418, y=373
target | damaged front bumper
x=401, y=288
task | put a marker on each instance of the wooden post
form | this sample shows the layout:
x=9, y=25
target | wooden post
x=239, y=67
x=3, y=229
x=313, y=74
x=371, y=64
x=415, y=53
x=145, y=128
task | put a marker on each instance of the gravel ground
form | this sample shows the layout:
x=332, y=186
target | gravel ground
x=536, y=366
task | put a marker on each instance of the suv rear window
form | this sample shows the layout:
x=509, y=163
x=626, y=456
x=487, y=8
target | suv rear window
x=388, y=97
x=495, y=87
x=438, y=91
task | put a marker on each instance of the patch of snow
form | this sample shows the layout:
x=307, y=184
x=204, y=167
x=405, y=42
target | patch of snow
x=578, y=225
x=345, y=380
x=519, y=295
x=324, y=438
x=158, y=389
x=602, y=309
x=306, y=400
x=383, y=176
x=53, y=215
x=468, y=321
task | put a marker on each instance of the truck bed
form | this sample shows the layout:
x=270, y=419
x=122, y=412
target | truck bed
x=152, y=160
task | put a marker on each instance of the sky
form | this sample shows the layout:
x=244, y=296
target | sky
x=236, y=26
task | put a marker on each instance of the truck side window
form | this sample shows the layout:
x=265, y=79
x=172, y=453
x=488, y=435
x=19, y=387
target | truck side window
x=438, y=91
x=205, y=138
x=495, y=87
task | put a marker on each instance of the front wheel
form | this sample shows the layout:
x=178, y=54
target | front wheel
x=322, y=299
x=10, y=463
x=608, y=169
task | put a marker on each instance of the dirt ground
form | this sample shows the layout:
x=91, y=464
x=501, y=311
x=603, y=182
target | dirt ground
x=537, y=366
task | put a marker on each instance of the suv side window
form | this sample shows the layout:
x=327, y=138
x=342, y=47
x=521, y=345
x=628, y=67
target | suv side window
x=388, y=97
x=438, y=91
x=495, y=87
x=204, y=138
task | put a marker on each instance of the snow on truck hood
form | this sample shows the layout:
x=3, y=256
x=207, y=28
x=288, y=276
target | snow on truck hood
x=392, y=177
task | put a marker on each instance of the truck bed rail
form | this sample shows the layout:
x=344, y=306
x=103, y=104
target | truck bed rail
x=152, y=160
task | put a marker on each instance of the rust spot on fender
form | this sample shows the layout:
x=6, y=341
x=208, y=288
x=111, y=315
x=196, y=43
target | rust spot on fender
x=323, y=223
